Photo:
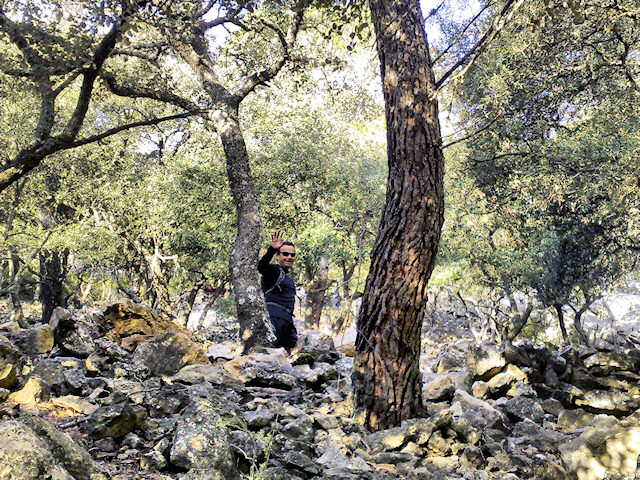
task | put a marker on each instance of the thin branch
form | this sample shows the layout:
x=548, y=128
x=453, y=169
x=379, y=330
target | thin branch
x=461, y=33
x=471, y=135
x=492, y=32
x=67, y=82
x=129, y=126
x=287, y=42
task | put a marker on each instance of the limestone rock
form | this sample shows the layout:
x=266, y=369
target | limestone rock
x=599, y=450
x=503, y=381
x=33, y=341
x=10, y=361
x=605, y=363
x=259, y=418
x=439, y=388
x=74, y=334
x=201, y=372
x=168, y=353
x=319, y=346
x=524, y=408
x=601, y=401
x=34, y=391
x=570, y=420
x=201, y=442
x=390, y=439
x=35, y=450
x=219, y=351
x=114, y=420
x=485, y=361
x=8, y=376
x=130, y=323
x=478, y=413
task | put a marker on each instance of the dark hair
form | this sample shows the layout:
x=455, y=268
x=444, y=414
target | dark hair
x=287, y=243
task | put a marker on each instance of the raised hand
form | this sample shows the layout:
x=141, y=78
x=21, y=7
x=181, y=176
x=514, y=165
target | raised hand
x=276, y=240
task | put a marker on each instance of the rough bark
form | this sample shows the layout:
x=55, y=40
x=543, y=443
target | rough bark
x=53, y=271
x=563, y=328
x=386, y=376
x=255, y=328
x=317, y=295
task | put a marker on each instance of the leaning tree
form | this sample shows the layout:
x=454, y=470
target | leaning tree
x=386, y=376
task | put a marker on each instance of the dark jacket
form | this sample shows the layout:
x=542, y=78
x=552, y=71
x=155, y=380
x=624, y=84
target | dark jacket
x=281, y=299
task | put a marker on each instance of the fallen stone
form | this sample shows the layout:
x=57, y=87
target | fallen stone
x=33, y=392
x=600, y=450
x=34, y=341
x=319, y=346
x=438, y=388
x=220, y=351
x=200, y=442
x=168, y=353
x=523, y=408
x=34, y=449
x=485, y=361
x=570, y=420
x=8, y=376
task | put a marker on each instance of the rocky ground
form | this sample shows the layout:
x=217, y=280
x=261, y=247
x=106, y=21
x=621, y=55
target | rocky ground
x=123, y=394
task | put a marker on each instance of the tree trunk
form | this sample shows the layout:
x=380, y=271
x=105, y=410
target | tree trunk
x=156, y=279
x=214, y=296
x=185, y=304
x=255, y=327
x=386, y=377
x=317, y=295
x=347, y=299
x=159, y=283
x=577, y=321
x=53, y=271
x=518, y=323
x=563, y=328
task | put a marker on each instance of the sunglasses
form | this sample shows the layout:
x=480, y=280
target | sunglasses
x=288, y=254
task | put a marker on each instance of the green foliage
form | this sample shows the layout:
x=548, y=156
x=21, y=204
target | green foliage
x=544, y=197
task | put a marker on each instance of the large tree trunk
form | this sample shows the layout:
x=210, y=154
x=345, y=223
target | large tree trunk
x=255, y=327
x=53, y=271
x=386, y=378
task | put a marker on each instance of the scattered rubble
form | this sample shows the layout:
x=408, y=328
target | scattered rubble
x=122, y=394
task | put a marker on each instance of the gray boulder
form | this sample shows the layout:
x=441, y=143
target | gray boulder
x=485, y=360
x=606, y=447
x=36, y=450
x=201, y=443
x=34, y=341
x=524, y=408
x=113, y=420
x=319, y=346
x=168, y=353
x=73, y=334
x=10, y=362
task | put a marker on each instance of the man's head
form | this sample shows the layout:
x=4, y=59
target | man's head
x=286, y=255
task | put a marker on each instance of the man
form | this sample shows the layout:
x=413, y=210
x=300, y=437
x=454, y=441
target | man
x=280, y=290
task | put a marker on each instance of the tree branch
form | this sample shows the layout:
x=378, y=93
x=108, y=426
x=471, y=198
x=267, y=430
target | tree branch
x=492, y=32
x=129, y=126
x=287, y=42
x=139, y=91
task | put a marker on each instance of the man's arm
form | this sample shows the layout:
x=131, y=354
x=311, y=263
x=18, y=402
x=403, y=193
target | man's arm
x=265, y=261
x=268, y=271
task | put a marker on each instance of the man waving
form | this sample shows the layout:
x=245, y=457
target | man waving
x=280, y=290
